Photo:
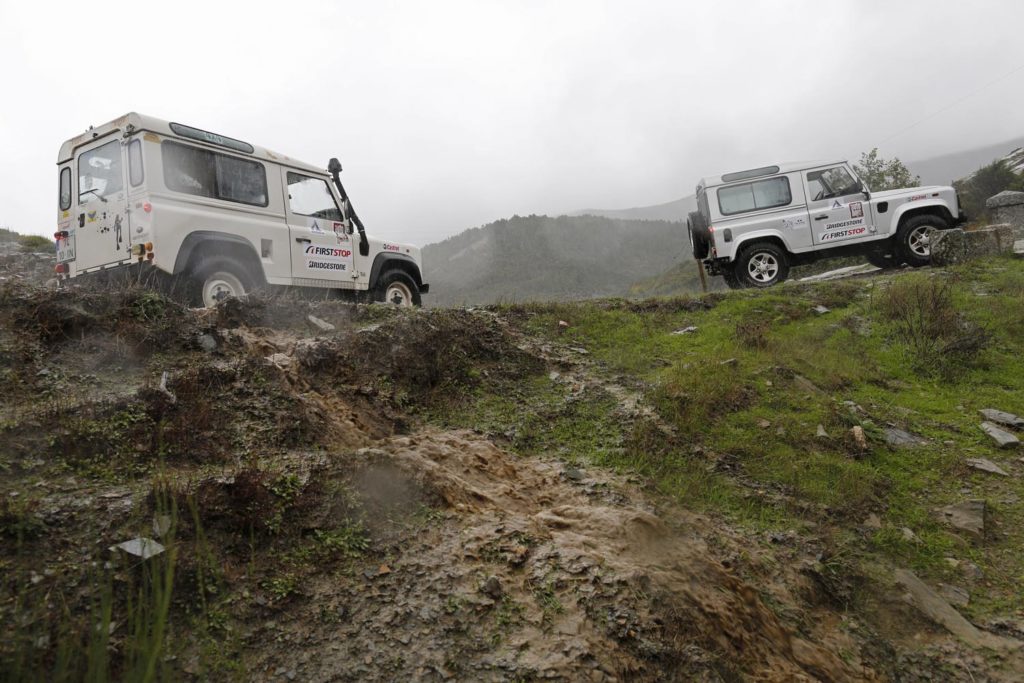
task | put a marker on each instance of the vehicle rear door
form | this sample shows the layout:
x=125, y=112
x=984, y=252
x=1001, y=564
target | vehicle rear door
x=100, y=208
x=839, y=212
x=320, y=246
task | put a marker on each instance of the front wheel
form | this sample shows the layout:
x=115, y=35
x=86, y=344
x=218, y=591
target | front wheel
x=761, y=264
x=914, y=239
x=397, y=288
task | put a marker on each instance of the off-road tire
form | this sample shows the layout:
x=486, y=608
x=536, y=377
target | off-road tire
x=397, y=287
x=731, y=281
x=761, y=264
x=913, y=241
x=215, y=279
x=700, y=238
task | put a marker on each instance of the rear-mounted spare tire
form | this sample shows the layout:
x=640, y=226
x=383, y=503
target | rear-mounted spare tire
x=700, y=237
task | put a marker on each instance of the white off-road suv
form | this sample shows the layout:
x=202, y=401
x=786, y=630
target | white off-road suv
x=222, y=215
x=751, y=226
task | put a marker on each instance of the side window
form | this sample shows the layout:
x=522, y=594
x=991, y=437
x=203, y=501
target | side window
x=135, y=172
x=99, y=172
x=311, y=197
x=203, y=173
x=65, y=188
x=832, y=182
x=762, y=194
x=241, y=180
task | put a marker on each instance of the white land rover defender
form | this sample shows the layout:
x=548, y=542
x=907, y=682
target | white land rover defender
x=225, y=216
x=751, y=226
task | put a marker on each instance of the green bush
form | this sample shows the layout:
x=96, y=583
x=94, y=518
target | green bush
x=35, y=243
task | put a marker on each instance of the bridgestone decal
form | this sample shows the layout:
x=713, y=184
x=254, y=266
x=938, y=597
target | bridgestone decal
x=325, y=265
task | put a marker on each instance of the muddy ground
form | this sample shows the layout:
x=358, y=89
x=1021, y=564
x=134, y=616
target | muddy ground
x=321, y=529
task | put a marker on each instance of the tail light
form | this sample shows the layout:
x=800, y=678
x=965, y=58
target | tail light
x=60, y=235
x=147, y=207
x=61, y=268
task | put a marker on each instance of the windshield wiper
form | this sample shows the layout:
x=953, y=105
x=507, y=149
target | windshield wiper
x=95, y=192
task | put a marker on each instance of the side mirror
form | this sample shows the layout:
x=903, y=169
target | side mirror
x=334, y=166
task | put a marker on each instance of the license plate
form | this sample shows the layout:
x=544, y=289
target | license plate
x=66, y=249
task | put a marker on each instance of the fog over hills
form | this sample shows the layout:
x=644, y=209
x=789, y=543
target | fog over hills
x=542, y=258
x=595, y=252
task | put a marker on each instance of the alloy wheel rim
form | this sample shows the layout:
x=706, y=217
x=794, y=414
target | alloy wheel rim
x=763, y=267
x=919, y=240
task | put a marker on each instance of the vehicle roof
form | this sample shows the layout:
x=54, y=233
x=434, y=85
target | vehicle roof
x=787, y=167
x=139, y=122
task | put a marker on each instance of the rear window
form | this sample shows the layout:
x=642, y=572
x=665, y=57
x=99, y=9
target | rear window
x=203, y=173
x=99, y=172
x=65, y=188
x=762, y=194
x=135, y=171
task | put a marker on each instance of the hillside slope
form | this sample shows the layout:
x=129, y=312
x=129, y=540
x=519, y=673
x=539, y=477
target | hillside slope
x=669, y=489
x=542, y=258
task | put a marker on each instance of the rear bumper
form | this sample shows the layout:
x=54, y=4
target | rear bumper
x=424, y=288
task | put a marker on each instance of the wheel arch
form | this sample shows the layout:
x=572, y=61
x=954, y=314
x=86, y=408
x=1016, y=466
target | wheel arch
x=404, y=262
x=202, y=244
x=771, y=237
x=936, y=208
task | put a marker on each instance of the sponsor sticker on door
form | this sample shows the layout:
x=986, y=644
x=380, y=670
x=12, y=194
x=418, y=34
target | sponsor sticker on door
x=856, y=210
x=327, y=259
x=843, y=230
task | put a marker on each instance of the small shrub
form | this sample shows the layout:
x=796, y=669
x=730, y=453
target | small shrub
x=35, y=243
x=928, y=321
x=753, y=333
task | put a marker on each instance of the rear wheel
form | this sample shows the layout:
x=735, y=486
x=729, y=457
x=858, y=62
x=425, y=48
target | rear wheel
x=761, y=264
x=215, y=280
x=396, y=287
x=914, y=238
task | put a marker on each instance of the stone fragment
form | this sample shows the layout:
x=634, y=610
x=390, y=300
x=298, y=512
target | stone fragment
x=968, y=516
x=207, y=342
x=763, y=423
x=143, y=548
x=873, y=521
x=821, y=310
x=898, y=438
x=1003, y=438
x=954, y=594
x=729, y=361
x=859, y=440
x=280, y=360
x=821, y=433
x=492, y=588
x=321, y=325
x=941, y=612
x=909, y=536
x=686, y=330
x=985, y=465
x=1003, y=418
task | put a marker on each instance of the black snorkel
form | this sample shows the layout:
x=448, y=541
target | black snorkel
x=348, y=211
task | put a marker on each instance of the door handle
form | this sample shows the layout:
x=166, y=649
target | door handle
x=300, y=240
x=81, y=220
x=821, y=217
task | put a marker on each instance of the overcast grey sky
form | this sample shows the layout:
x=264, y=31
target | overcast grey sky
x=451, y=114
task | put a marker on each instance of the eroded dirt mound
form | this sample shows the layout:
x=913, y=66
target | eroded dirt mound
x=539, y=571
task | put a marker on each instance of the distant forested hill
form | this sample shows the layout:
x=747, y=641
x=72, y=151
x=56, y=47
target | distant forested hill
x=528, y=258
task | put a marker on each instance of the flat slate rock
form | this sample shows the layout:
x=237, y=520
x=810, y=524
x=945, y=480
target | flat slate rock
x=942, y=613
x=968, y=516
x=1003, y=438
x=985, y=465
x=901, y=439
x=1003, y=418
